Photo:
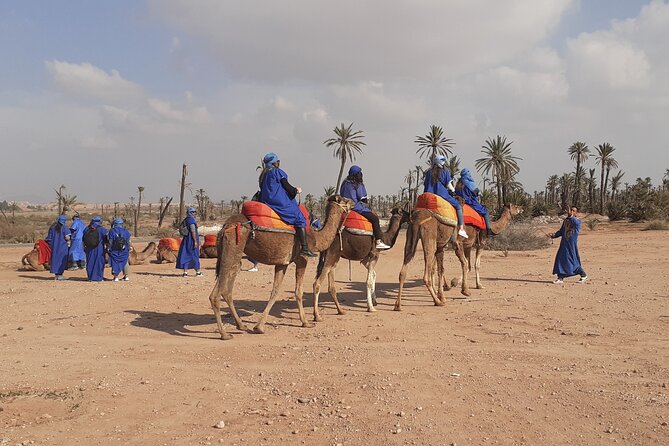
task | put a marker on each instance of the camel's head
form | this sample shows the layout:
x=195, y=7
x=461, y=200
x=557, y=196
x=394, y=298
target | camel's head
x=514, y=209
x=344, y=203
x=404, y=215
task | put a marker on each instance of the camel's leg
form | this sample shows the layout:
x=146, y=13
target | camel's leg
x=300, y=268
x=327, y=270
x=332, y=289
x=477, y=267
x=226, y=282
x=279, y=274
x=214, y=299
x=459, y=251
x=371, y=281
x=429, y=254
x=439, y=260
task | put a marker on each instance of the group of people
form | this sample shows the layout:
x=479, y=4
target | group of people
x=82, y=246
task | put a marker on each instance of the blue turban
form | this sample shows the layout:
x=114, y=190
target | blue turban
x=270, y=159
x=118, y=222
x=439, y=160
x=465, y=172
x=354, y=169
x=190, y=210
x=97, y=219
x=61, y=219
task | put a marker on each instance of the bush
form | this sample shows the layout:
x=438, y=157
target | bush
x=593, y=223
x=615, y=210
x=657, y=225
x=539, y=209
x=519, y=237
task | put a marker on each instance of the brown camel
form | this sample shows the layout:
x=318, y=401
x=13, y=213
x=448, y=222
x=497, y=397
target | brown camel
x=357, y=247
x=435, y=237
x=270, y=248
x=478, y=238
x=165, y=254
x=209, y=252
x=137, y=258
x=30, y=261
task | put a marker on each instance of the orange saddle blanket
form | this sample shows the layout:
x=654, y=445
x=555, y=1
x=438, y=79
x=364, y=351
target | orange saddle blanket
x=439, y=206
x=357, y=221
x=472, y=217
x=170, y=243
x=210, y=240
x=264, y=216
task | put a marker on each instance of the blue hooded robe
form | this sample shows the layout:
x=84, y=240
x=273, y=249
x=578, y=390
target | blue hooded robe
x=273, y=194
x=356, y=192
x=118, y=259
x=469, y=193
x=77, y=247
x=440, y=187
x=567, y=261
x=95, y=257
x=188, y=256
x=58, y=244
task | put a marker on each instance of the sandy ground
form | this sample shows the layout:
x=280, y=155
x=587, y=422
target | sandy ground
x=522, y=361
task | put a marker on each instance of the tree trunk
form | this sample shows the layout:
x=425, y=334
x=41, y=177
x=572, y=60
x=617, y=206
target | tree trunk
x=601, y=191
x=163, y=211
x=606, y=182
x=341, y=172
x=139, y=207
x=577, y=192
x=181, y=193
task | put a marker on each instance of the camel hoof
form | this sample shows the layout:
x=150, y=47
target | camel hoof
x=454, y=282
x=341, y=312
x=318, y=318
x=307, y=325
x=466, y=293
x=397, y=308
x=242, y=327
x=259, y=329
x=226, y=336
x=479, y=287
x=440, y=303
x=371, y=309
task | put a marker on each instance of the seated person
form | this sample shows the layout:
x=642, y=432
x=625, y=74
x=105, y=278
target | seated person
x=438, y=181
x=470, y=193
x=354, y=188
x=279, y=194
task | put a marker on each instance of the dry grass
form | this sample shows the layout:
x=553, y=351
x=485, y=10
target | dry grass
x=519, y=237
x=656, y=225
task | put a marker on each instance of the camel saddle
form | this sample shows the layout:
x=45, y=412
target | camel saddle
x=169, y=243
x=210, y=240
x=264, y=218
x=471, y=217
x=357, y=224
x=442, y=210
x=44, y=252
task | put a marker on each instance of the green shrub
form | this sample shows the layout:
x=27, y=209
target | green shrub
x=615, y=210
x=519, y=237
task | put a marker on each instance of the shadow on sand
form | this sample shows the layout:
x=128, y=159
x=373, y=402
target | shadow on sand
x=51, y=278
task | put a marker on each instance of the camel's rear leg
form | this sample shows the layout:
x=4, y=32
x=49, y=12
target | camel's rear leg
x=409, y=251
x=279, y=274
x=327, y=270
x=459, y=252
x=214, y=299
x=371, y=283
x=300, y=268
x=477, y=267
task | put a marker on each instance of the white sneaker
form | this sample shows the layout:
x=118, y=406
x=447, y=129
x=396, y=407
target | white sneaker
x=558, y=281
x=462, y=233
x=252, y=270
x=126, y=279
x=199, y=274
x=115, y=279
x=583, y=279
x=381, y=245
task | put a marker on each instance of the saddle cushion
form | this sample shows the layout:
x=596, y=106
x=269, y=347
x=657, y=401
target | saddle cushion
x=44, y=252
x=209, y=240
x=264, y=216
x=439, y=206
x=357, y=221
x=472, y=217
x=169, y=243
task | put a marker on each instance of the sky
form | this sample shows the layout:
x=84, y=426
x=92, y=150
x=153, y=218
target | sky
x=107, y=96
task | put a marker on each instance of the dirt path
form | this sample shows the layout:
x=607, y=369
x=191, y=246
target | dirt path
x=521, y=362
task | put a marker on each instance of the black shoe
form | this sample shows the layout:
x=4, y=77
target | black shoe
x=489, y=232
x=301, y=234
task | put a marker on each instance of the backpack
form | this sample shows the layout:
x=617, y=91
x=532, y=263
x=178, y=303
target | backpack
x=184, y=230
x=91, y=238
x=119, y=243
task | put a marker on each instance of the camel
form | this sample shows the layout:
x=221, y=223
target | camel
x=30, y=261
x=137, y=258
x=208, y=249
x=361, y=248
x=165, y=251
x=478, y=238
x=238, y=237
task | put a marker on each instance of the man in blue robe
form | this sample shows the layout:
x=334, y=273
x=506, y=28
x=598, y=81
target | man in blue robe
x=470, y=193
x=77, y=255
x=354, y=188
x=438, y=181
x=279, y=194
x=119, y=249
x=189, y=251
x=58, y=239
x=95, y=253
x=567, y=261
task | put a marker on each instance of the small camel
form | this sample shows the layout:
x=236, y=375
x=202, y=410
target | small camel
x=137, y=258
x=238, y=238
x=435, y=237
x=355, y=247
x=165, y=253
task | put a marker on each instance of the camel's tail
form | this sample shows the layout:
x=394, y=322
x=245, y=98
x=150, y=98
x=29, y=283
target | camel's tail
x=321, y=263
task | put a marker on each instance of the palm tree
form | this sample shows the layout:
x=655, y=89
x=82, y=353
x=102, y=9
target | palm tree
x=615, y=183
x=566, y=183
x=610, y=163
x=578, y=152
x=69, y=202
x=346, y=143
x=140, y=189
x=591, y=189
x=453, y=166
x=552, y=185
x=409, y=180
x=434, y=143
x=328, y=191
x=604, y=157
x=499, y=163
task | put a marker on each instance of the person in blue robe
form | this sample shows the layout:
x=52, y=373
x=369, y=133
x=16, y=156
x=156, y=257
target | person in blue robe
x=77, y=255
x=314, y=221
x=59, y=240
x=438, y=181
x=279, y=194
x=95, y=255
x=568, y=261
x=469, y=192
x=119, y=249
x=189, y=251
x=354, y=188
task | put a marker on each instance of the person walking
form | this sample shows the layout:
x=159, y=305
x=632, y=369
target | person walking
x=77, y=255
x=189, y=251
x=568, y=261
x=119, y=250
x=95, y=246
x=59, y=240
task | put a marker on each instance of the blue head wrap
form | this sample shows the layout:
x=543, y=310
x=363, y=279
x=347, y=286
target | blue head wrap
x=354, y=169
x=97, y=219
x=61, y=219
x=118, y=222
x=190, y=210
x=270, y=159
x=439, y=160
x=465, y=173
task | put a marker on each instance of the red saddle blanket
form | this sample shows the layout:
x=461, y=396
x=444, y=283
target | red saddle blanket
x=472, y=217
x=264, y=216
x=357, y=221
x=210, y=240
x=170, y=243
x=44, y=252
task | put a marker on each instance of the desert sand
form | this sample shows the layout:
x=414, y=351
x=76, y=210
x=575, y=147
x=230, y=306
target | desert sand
x=522, y=361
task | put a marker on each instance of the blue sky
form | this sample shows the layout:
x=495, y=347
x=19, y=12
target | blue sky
x=218, y=83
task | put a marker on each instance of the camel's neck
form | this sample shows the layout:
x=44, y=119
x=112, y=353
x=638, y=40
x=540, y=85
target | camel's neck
x=322, y=239
x=390, y=236
x=502, y=222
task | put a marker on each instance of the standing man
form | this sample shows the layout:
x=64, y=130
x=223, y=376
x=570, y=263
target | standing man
x=77, y=255
x=567, y=260
x=189, y=251
x=58, y=239
x=119, y=249
x=95, y=246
